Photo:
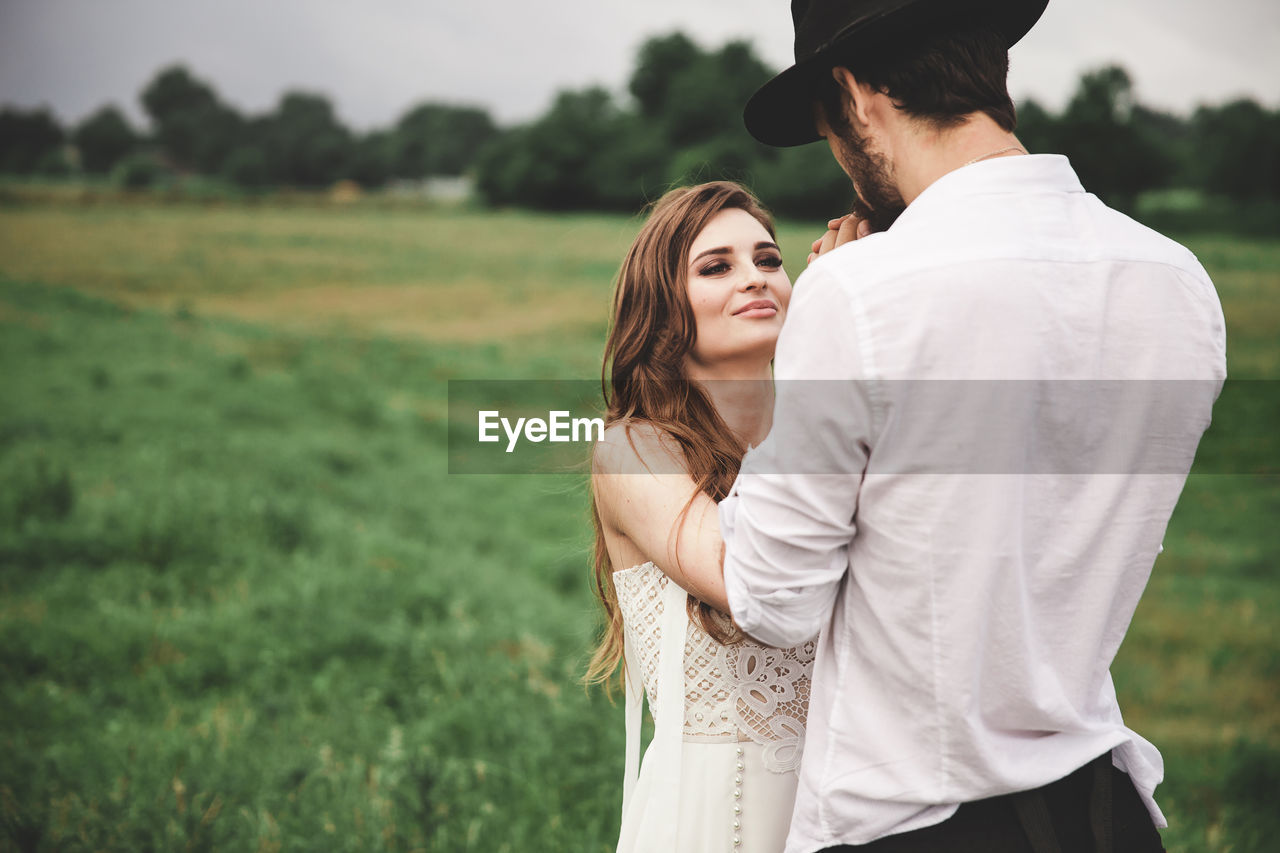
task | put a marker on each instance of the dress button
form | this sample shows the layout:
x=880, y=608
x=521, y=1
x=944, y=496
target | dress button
x=737, y=824
x=737, y=840
x=737, y=809
x=739, y=752
x=737, y=793
x=741, y=766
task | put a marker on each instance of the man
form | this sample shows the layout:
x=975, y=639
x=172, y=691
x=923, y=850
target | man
x=987, y=406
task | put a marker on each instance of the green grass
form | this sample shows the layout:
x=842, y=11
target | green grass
x=244, y=607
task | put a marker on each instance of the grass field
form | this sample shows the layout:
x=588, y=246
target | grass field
x=244, y=607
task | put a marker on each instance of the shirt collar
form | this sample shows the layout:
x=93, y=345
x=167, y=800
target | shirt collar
x=1020, y=174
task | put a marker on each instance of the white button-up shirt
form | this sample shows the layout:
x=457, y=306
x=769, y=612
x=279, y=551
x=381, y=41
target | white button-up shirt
x=971, y=547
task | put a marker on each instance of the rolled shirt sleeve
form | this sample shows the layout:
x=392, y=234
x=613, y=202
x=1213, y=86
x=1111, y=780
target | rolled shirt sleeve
x=788, y=521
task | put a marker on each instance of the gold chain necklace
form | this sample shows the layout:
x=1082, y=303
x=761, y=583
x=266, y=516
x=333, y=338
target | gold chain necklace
x=994, y=153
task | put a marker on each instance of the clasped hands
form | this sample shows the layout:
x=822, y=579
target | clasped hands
x=840, y=230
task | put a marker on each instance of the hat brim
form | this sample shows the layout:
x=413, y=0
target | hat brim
x=780, y=113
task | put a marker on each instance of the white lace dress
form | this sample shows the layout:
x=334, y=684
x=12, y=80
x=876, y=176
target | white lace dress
x=720, y=773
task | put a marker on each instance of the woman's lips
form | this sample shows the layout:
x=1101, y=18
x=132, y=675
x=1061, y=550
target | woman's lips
x=757, y=308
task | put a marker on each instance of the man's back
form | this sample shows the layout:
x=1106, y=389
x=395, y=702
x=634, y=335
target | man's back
x=1013, y=456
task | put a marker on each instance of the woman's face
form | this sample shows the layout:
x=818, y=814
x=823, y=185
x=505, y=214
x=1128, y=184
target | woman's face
x=738, y=290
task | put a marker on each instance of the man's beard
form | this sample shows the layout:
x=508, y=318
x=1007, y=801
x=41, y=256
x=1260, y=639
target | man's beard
x=878, y=200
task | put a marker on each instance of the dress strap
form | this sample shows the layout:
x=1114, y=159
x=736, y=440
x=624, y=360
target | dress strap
x=635, y=700
x=649, y=823
x=668, y=733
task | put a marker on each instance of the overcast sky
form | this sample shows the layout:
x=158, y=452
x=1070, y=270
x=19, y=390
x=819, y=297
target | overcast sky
x=376, y=58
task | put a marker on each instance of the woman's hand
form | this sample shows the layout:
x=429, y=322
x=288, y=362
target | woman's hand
x=840, y=230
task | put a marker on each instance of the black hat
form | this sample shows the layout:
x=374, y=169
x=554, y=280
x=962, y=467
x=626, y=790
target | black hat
x=780, y=113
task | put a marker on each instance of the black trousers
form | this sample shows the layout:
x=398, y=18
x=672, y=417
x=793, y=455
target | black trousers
x=1095, y=809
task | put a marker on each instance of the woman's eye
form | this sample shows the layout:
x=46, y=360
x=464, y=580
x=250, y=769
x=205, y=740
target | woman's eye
x=715, y=269
x=772, y=262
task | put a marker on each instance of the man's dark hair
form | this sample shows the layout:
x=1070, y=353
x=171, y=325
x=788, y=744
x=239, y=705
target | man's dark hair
x=939, y=78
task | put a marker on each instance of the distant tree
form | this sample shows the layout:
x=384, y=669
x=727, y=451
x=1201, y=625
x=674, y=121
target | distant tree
x=372, y=158
x=139, y=170
x=59, y=163
x=1236, y=150
x=699, y=96
x=713, y=92
x=1103, y=96
x=1104, y=130
x=693, y=99
x=633, y=168
x=1171, y=135
x=542, y=164
x=192, y=125
x=246, y=167
x=29, y=140
x=1113, y=157
x=103, y=139
x=730, y=157
x=1036, y=128
x=660, y=61
x=684, y=125
x=439, y=139
x=173, y=91
x=556, y=162
x=804, y=182
x=588, y=151
x=304, y=142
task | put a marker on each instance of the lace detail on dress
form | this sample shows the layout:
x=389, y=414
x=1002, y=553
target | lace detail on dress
x=744, y=691
x=771, y=698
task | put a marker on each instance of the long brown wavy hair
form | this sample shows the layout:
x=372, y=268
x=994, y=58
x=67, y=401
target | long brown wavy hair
x=643, y=380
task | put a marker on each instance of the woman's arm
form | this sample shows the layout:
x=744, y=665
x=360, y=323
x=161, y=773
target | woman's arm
x=641, y=488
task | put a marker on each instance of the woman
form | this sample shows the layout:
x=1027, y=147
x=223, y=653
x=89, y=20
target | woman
x=699, y=304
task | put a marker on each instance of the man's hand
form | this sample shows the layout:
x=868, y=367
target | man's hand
x=839, y=231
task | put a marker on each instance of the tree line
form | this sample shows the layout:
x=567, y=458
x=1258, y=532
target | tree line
x=679, y=121
x=300, y=143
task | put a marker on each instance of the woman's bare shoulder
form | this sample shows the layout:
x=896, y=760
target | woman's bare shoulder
x=636, y=447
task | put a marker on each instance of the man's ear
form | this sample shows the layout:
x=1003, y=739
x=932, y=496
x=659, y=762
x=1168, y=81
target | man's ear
x=859, y=93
